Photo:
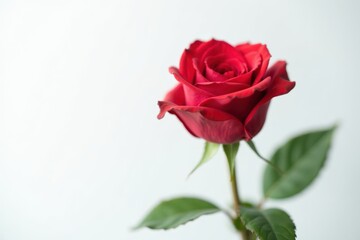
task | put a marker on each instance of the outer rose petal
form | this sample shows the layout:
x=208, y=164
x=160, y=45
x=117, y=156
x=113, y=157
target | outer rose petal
x=278, y=69
x=207, y=123
x=257, y=121
x=186, y=62
x=222, y=48
x=176, y=95
x=199, y=48
x=239, y=103
x=186, y=66
x=193, y=95
x=222, y=88
x=280, y=86
x=195, y=45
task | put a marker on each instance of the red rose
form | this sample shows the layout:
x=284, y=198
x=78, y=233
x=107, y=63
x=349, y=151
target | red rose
x=224, y=91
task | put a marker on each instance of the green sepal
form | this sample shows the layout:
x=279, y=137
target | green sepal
x=210, y=150
x=231, y=152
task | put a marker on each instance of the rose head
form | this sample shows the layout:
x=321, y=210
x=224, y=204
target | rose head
x=224, y=91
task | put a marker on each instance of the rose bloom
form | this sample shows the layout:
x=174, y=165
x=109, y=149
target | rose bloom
x=224, y=91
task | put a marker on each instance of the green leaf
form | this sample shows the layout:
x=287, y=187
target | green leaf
x=300, y=160
x=269, y=224
x=175, y=212
x=230, y=152
x=209, y=152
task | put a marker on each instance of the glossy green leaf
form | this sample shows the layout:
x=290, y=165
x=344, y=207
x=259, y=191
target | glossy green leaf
x=230, y=152
x=269, y=224
x=300, y=161
x=209, y=152
x=177, y=211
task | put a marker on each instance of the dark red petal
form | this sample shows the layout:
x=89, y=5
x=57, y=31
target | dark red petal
x=256, y=117
x=186, y=66
x=264, y=54
x=248, y=47
x=239, y=103
x=207, y=123
x=193, y=95
x=213, y=48
x=176, y=95
x=280, y=86
x=278, y=69
x=257, y=122
x=222, y=48
x=198, y=49
x=253, y=60
x=199, y=77
x=253, y=66
x=212, y=75
x=195, y=45
x=222, y=88
x=228, y=98
x=213, y=65
x=243, y=79
x=195, y=50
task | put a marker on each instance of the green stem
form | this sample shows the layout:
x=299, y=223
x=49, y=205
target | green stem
x=235, y=194
x=237, y=202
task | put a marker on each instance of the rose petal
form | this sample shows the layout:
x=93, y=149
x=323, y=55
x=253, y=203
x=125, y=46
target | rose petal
x=253, y=60
x=278, y=69
x=280, y=86
x=240, y=103
x=257, y=121
x=213, y=64
x=213, y=75
x=195, y=45
x=245, y=48
x=243, y=78
x=221, y=88
x=215, y=48
x=200, y=78
x=176, y=95
x=207, y=123
x=223, y=48
x=199, y=47
x=186, y=66
x=256, y=118
x=228, y=98
x=193, y=95
x=264, y=54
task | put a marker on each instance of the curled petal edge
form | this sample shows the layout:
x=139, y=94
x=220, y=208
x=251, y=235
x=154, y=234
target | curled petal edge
x=210, y=124
x=282, y=86
x=227, y=98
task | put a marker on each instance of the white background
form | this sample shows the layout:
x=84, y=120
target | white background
x=82, y=155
